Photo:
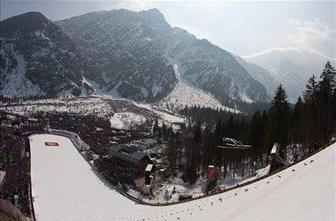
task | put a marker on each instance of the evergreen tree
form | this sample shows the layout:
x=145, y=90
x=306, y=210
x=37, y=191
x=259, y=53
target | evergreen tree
x=256, y=132
x=207, y=148
x=218, y=132
x=333, y=112
x=325, y=102
x=279, y=119
x=194, y=158
x=163, y=131
x=156, y=129
x=297, y=123
x=310, y=112
x=172, y=148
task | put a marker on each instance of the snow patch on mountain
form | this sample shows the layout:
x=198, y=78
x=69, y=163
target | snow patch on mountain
x=245, y=98
x=126, y=120
x=184, y=94
x=16, y=83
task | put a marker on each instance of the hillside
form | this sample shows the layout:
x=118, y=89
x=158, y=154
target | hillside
x=139, y=50
x=38, y=59
x=291, y=66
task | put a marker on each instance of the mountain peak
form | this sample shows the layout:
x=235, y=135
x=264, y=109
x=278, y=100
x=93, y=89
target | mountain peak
x=25, y=23
x=152, y=11
x=39, y=58
x=154, y=16
x=32, y=16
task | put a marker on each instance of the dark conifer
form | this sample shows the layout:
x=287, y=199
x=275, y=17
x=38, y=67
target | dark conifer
x=310, y=112
x=296, y=132
x=325, y=102
x=279, y=119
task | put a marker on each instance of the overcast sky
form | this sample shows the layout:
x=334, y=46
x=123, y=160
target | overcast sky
x=243, y=28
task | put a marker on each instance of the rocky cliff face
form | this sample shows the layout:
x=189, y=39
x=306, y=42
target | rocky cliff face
x=120, y=53
x=38, y=59
x=121, y=57
x=261, y=75
x=132, y=54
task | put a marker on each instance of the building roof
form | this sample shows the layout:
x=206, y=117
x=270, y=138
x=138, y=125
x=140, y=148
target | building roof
x=127, y=152
x=149, y=167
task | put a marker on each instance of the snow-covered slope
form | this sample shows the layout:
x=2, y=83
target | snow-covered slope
x=123, y=114
x=65, y=187
x=15, y=82
x=118, y=53
x=261, y=75
x=121, y=57
x=291, y=66
x=37, y=59
x=133, y=53
x=186, y=95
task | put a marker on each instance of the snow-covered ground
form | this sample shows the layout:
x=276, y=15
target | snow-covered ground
x=172, y=188
x=123, y=114
x=65, y=187
x=16, y=83
x=126, y=120
x=88, y=105
x=185, y=94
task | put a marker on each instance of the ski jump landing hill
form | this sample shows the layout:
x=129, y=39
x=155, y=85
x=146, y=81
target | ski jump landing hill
x=65, y=187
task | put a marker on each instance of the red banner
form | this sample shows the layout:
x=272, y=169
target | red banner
x=211, y=173
x=51, y=144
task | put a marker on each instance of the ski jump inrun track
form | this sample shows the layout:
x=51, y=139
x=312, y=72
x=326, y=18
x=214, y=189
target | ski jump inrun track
x=66, y=187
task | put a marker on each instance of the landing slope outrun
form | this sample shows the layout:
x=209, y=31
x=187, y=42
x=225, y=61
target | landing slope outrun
x=65, y=187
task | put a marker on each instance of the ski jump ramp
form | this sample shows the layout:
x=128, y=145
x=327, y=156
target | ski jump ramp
x=65, y=187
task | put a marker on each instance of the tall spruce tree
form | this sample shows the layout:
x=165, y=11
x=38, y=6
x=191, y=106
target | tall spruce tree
x=333, y=112
x=172, y=148
x=194, y=154
x=156, y=129
x=325, y=102
x=296, y=132
x=256, y=132
x=279, y=119
x=311, y=112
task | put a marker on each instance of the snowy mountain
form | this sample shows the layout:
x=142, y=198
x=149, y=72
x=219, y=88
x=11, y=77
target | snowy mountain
x=37, y=58
x=291, y=66
x=261, y=75
x=133, y=54
x=121, y=58
x=120, y=53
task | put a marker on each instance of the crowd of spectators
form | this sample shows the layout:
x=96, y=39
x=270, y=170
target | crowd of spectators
x=14, y=161
x=95, y=131
x=115, y=172
x=15, y=151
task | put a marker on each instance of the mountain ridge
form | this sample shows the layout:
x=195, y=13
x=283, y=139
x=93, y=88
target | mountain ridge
x=38, y=59
x=291, y=66
x=124, y=53
x=203, y=64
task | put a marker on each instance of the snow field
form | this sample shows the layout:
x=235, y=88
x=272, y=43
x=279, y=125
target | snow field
x=184, y=95
x=122, y=114
x=65, y=187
